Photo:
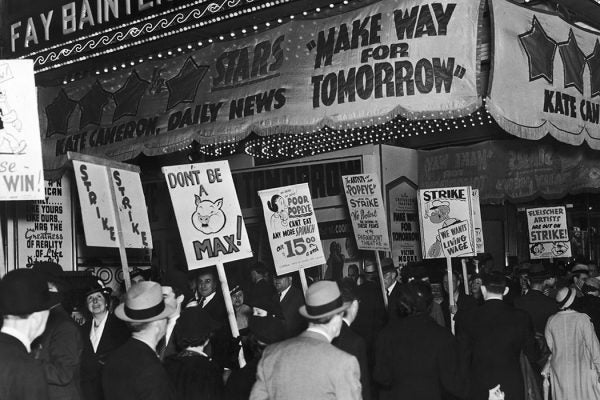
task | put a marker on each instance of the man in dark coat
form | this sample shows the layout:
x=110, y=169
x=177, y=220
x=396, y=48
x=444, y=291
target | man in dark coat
x=463, y=302
x=59, y=348
x=261, y=290
x=416, y=358
x=290, y=299
x=209, y=298
x=372, y=314
x=493, y=336
x=390, y=280
x=539, y=306
x=24, y=304
x=134, y=371
x=350, y=341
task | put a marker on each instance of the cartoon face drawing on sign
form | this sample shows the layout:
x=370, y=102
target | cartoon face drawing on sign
x=208, y=217
x=438, y=212
x=10, y=128
x=559, y=248
x=537, y=249
x=280, y=211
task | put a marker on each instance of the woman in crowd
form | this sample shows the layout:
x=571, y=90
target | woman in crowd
x=475, y=284
x=242, y=311
x=574, y=365
x=102, y=333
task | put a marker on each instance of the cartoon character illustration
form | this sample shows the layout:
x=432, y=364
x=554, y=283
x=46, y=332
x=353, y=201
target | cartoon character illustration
x=280, y=211
x=208, y=217
x=559, y=248
x=10, y=128
x=537, y=249
x=439, y=213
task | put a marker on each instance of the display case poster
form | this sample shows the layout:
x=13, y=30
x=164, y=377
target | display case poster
x=477, y=225
x=439, y=209
x=131, y=204
x=208, y=213
x=403, y=216
x=21, y=170
x=44, y=227
x=292, y=228
x=365, y=206
x=548, y=232
x=97, y=210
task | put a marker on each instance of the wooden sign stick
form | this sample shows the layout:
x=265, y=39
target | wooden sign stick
x=465, y=277
x=451, y=301
x=381, y=283
x=229, y=306
x=303, y=280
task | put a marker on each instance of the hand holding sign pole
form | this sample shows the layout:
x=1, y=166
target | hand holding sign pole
x=210, y=221
x=369, y=222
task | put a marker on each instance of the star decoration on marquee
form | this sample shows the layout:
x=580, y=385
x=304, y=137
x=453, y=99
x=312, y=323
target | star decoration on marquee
x=540, y=49
x=129, y=96
x=183, y=86
x=573, y=62
x=593, y=62
x=58, y=113
x=92, y=105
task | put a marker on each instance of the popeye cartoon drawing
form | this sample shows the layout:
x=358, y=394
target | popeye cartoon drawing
x=439, y=213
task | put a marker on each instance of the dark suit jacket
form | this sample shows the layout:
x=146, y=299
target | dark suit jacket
x=464, y=303
x=134, y=372
x=538, y=306
x=418, y=359
x=21, y=377
x=216, y=308
x=114, y=335
x=371, y=315
x=493, y=336
x=393, y=302
x=260, y=293
x=194, y=376
x=290, y=304
x=59, y=349
x=352, y=343
x=240, y=382
x=590, y=305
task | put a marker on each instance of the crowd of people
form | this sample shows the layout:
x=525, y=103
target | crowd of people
x=514, y=336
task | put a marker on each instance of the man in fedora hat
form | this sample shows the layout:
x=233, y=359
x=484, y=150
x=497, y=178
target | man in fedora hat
x=24, y=304
x=309, y=366
x=290, y=298
x=134, y=370
x=539, y=306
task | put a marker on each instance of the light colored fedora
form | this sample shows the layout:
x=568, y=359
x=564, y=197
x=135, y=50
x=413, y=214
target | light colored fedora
x=565, y=297
x=323, y=299
x=144, y=303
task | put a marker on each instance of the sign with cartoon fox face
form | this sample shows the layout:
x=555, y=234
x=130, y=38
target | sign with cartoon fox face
x=208, y=213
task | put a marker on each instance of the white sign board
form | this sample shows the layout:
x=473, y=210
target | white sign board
x=292, y=228
x=477, y=225
x=44, y=227
x=455, y=240
x=208, y=213
x=97, y=209
x=367, y=213
x=21, y=170
x=548, y=233
x=439, y=209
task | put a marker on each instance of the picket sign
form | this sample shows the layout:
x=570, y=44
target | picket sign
x=105, y=218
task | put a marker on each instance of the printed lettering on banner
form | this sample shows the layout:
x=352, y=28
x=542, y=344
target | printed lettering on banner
x=208, y=213
x=292, y=228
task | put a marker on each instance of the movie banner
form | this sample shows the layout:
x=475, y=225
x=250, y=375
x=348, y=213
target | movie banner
x=551, y=83
x=548, y=232
x=292, y=228
x=44, y=227
x=94, y=178
x=414, y=58
x=365, y=206
x=208, y=213
x=446, y=219
x=403, y=217
x=21, y=170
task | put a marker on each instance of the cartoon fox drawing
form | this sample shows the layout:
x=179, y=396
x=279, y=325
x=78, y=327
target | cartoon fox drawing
x=208, y=217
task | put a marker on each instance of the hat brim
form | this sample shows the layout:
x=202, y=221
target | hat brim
x=305, y=314
x=120, y=313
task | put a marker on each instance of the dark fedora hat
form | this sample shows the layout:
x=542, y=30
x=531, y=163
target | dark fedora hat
x=387, y=265
x=267, y=329
x=195, y=325
x=53, y=273
x=144, y=303
x=323, y=299
x=24, y=291
x=540, y=272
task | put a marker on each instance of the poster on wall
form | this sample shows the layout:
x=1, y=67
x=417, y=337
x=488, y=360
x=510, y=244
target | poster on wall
x=340, y=250
x=21, y=170
x=292, y=228
x=208, y=213
x=44, y=227
x=96, y=180
x=403, y=217
x=552, y=82
x=415, y=58
x=365, y=206
x=446, y=220
x=548, y=232
x=477, y=224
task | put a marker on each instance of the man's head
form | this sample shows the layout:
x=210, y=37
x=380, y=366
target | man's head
x=353, y=272
x=324, y=307
x=237, y=296
x=136, y=276
x=415, y=298
x=455, y=281
x=493, y=285
x=258, y=271
x=24, y=302
x=282, y=282
x=54, y=275
x=206, y=283
x=592, y=287
x=174, y=297
x=580, y=273
x=349, y=289
x=390, y=273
